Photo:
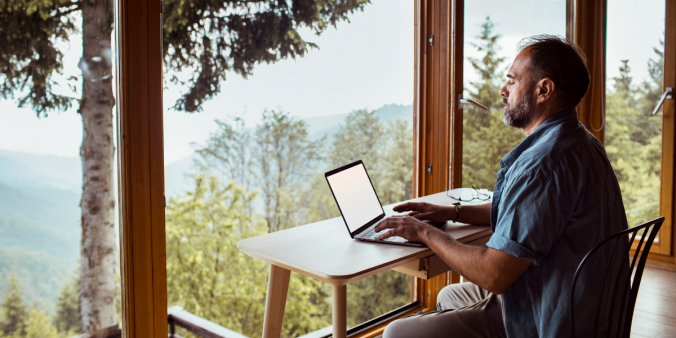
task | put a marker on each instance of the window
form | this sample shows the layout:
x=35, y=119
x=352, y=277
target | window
x=246, y=149
x=59, y=242
x=634, y=85
x=492, y=30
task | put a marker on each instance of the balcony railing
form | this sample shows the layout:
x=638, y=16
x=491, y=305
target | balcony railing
x=197, y=325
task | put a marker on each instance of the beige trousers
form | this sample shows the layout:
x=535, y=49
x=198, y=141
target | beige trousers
x=463, y=310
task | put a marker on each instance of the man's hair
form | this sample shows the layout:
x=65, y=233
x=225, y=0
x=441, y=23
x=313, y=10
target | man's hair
x=561, y=61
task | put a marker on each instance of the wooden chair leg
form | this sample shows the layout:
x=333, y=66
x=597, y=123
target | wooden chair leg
x=278, y=287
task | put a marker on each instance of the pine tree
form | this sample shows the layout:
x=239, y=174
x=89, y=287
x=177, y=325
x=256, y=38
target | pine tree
x=634, y=139
x=39, y=326
x=67, y=317
x=13, y=311
x=486, y=138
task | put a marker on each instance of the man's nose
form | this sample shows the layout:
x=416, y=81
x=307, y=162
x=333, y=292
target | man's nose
x=504, y=92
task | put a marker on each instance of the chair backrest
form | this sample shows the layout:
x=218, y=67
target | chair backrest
x=616, y=280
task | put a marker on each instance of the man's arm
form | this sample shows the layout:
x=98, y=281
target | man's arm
x=471, y=214
x=491, y=269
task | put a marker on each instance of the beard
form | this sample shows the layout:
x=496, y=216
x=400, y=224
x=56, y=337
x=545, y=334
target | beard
x=521, y=114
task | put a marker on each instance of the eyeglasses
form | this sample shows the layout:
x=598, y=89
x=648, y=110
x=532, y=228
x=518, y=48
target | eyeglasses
x=467, y=195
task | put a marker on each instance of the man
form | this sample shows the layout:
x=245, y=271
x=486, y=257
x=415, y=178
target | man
x=556, y=197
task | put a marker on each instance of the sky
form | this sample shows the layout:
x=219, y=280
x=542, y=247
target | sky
x=366, y=63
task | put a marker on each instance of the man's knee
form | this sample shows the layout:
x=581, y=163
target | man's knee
x=396, y=329
x=459, y=295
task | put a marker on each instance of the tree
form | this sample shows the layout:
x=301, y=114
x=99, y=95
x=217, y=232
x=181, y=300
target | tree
x=486, y=138
x=276, y=160
x=362, y=137
x=13, y=311
x=204, y=39
x=634, y=139
x=39, y=326
x=285, y=157
x=67, y=317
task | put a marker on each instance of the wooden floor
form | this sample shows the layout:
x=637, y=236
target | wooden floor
x=655, y=314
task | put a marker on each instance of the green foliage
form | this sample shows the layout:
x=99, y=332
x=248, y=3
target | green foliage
x=38, y=326
x=67, y=317
x=285, y=157
x=40, y=274
x=276, y=158
x=633, y=139
x=376, y=295
x=213, y=38
x=485, y=137
x=13, y=311
x=29, y=30
x=208, y=276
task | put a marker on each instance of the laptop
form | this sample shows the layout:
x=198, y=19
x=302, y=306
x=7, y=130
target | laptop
x=359, y=204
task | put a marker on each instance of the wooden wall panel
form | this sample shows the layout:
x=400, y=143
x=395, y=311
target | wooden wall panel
x=141, y=154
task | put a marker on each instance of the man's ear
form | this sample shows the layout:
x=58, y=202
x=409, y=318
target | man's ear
x=544, y=90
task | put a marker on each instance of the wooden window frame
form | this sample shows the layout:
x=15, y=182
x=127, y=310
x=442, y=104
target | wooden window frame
x=141, y=168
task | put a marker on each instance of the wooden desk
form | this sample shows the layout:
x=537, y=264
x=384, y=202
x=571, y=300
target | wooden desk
x=325, y=251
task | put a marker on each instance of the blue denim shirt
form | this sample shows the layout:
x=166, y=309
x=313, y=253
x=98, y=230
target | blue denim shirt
x=556, y=197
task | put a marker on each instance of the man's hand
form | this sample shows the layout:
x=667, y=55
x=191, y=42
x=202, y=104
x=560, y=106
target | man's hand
x=403, y=226
x=426, y=211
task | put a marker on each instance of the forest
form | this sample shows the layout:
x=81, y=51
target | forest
x=229, y=201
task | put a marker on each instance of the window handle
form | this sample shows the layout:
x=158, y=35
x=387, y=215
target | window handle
x=668, y=95
x=472, y=103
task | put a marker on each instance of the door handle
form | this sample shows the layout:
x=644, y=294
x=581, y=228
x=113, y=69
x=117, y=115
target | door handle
x=668, y=95
x=471, y=103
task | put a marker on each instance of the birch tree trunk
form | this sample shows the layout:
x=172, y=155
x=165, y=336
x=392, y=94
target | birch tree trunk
x=98, y=250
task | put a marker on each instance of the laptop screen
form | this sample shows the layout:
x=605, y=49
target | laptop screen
x=355, y=196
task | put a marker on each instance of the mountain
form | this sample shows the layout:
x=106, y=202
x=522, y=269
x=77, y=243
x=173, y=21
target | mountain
x=39, y=222
x=41, y=171
x=318, y=126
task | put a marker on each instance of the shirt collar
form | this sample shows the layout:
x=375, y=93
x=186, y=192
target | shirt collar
x=558, y=118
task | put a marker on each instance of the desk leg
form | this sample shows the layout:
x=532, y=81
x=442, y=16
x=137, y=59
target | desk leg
x=339, y=311
x=278, y=286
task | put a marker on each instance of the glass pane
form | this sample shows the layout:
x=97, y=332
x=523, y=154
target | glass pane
x=246, y=149
x=59, y=239
x=492, y=31
x=633, y=137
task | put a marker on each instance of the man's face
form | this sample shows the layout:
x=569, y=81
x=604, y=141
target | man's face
x=518, y=93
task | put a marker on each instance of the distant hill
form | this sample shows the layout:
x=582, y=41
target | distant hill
x=318, y=126
x=39, y=222
x=41, y=275
x=21, y=169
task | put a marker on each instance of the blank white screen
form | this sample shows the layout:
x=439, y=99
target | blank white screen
x=356, y=198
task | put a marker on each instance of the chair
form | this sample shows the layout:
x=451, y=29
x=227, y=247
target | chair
x=623, y=283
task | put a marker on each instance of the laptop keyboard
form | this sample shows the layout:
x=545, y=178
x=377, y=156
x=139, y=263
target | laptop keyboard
x=372, y=234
